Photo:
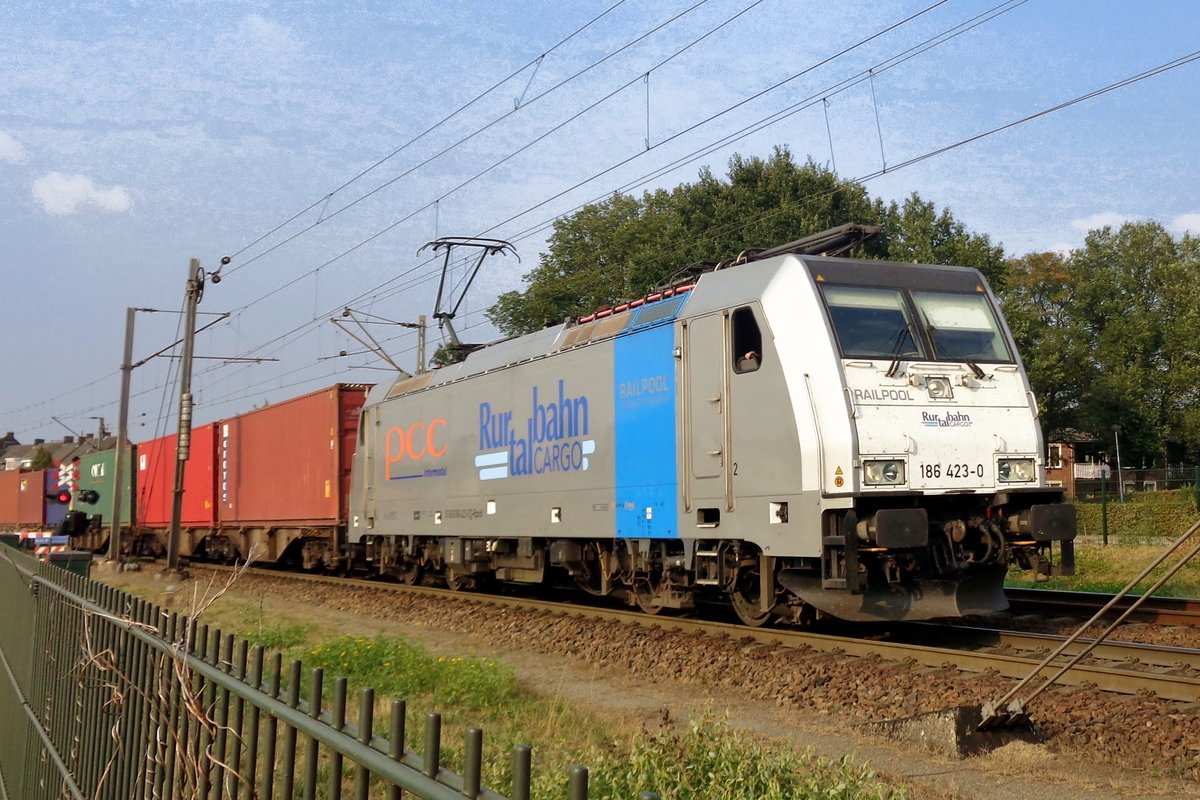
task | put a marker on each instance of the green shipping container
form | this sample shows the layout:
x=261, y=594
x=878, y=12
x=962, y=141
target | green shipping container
x=96, y=472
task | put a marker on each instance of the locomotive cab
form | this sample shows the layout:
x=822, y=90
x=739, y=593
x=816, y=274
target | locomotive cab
x=946, y=469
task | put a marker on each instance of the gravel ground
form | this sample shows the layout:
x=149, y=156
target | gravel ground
x=1101, y=745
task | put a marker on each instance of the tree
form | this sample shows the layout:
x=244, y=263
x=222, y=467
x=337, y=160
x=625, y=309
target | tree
x=1037, y=305
x=1182, y=339
x=623, y=247
x=1126, y=285
x=916, y=231
x=1109, y=334
x=42, y=459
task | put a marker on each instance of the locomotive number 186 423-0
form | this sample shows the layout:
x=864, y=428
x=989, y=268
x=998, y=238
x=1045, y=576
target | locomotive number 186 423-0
x=951, y=471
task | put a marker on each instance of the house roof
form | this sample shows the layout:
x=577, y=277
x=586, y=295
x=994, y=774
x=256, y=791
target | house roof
x=60, y=451
x=1070, y=436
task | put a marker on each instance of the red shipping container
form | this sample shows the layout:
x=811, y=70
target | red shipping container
x=10, y=490
x=289, y=463
x=156, y=480
x=31, y=498
x=23, y=498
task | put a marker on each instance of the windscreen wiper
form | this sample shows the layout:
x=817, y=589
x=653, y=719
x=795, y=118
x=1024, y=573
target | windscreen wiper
x=897, y=349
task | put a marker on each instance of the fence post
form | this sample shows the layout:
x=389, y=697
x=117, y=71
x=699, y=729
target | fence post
x=1104, y=506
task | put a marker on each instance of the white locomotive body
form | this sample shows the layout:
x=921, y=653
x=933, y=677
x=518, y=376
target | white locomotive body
x=793, y=433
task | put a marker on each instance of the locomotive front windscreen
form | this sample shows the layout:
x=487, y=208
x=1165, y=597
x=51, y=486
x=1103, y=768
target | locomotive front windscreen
x=961, y=327
x=871, y=323
x=876, y=322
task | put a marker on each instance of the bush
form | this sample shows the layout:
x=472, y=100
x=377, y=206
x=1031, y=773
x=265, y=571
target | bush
x=1143, y=515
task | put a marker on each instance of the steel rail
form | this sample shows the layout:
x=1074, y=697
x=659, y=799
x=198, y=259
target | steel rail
x=1114, y=679
x=1169, y=656
x=1158, y=610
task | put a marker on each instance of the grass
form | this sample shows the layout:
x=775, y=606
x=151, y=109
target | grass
x=1107, y=568
x=706, y=758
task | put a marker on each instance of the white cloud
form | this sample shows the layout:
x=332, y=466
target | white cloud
x=11, y=150
x=1062, y=248
x=1185, y=223
x=60, y=194
x=1097, y=221
x=270, y=36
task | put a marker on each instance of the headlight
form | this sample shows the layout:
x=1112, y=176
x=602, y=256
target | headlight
x=1016, y=470
x=883, y=473
x=939, y=388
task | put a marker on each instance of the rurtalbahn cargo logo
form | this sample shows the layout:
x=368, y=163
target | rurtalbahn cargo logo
x=951, y=419
x=552, y=439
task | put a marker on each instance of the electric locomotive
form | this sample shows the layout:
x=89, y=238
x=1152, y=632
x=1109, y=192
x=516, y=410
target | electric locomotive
x=795, y=435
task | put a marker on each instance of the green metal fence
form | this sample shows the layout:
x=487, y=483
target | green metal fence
x=104, y=695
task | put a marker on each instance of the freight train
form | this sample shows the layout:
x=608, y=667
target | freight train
x=794, y=436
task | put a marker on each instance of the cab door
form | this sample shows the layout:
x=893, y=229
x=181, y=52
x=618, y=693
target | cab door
x=707, y=434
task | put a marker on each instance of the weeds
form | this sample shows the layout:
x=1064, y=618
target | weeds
x=398, y=668
x=711, y=760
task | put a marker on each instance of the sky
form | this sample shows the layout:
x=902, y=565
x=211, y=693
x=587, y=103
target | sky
x=319, y=145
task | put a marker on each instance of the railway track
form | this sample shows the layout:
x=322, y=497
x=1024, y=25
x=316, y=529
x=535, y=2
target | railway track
x=1170, y=673
x=1156, y=610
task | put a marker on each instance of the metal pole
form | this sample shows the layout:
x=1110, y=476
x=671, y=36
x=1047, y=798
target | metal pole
x=1104, y=504
x=421, y=365
x=1120, y=480
x=195, y=285
x=114, y=536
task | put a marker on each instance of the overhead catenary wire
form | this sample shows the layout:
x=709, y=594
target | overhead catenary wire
x=1173, y=64
x=910, y=52
x=772, y=118
x=1010, y=4
x=325, y=218
x=324, y=199
x=580, y=113
x=485, y=171
x=634, y=80
x=764, y=122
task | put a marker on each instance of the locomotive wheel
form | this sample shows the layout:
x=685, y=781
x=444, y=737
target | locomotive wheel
x=745, y=599
x=412, y=576
x=747, y=609
x=589, y=578
x=458, y=581
x=643, y=595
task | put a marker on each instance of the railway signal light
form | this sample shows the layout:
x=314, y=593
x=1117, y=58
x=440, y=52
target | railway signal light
x=61, y=496
x=89, y=496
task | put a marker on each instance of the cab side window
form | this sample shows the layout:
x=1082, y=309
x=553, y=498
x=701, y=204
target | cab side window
x=747, y=341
